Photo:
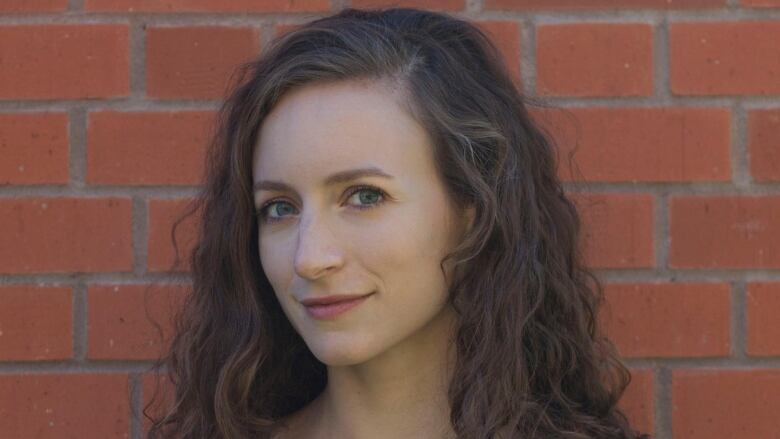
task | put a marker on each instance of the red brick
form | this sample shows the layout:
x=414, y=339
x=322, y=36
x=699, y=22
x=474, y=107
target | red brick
x=449, y=5
x=33, y=5
x=282, y=28
x=195, y=62
x=668, y=320
x=58, y=406
x=506, y=36
x=34, y=147
x=162, y=214
x=764, y=144
x=724, y=232
x=602, y=4
x=147, y=148
x=617, y=229
x=585, y=59
x=174, y=6
x=763, y=324
x=725, y=58
x=35, y=323
x=637, y=401
x=122, y=318
x=65, y=235
x=760, y=3
x=157, y=396
x=640, y=144
x=66, y=61
x=725, y=403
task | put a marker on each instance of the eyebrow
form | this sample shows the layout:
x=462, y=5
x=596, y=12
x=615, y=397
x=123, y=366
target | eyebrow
x=338, y=177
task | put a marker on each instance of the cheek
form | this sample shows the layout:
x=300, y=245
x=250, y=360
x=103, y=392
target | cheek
x=274, y=261
x=405, y=249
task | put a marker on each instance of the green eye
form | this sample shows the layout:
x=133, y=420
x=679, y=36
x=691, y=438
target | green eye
x=364, y=197
x=279, y=212
x=369, y=195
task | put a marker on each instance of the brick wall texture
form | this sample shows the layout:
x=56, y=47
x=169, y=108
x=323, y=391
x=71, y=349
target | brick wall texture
x=671, y=108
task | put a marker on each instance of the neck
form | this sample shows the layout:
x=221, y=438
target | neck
x=400, y=393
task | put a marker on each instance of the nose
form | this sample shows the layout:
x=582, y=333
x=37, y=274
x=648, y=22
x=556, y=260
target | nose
x=317, y=252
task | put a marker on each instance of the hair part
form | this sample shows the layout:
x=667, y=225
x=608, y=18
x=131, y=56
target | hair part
x=531, y=362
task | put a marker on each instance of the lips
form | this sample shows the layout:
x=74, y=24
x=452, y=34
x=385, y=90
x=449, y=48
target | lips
x=329, y=300
x=331, y=307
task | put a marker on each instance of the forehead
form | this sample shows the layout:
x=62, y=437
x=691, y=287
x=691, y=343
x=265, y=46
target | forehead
x=324, y=127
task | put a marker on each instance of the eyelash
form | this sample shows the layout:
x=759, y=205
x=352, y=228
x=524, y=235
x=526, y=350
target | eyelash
x=263, y=214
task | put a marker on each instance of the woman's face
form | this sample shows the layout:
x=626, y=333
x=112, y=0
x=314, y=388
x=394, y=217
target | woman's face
x=362, y=234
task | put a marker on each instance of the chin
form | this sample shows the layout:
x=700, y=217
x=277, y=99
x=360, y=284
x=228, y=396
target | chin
x=341, y=352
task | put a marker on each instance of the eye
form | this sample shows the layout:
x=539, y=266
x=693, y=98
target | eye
x=265, y=211
x=363, y=197
x=370, y=195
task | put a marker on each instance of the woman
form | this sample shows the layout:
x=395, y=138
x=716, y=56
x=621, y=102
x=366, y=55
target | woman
x=386, y=252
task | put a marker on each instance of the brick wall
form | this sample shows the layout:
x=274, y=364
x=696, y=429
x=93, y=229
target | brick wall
x=671, y=107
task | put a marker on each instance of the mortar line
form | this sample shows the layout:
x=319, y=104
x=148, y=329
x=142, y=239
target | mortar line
x=528, y=36
x=140, y=232
x=77, y=150
x=80, y=323
x=663, y=404
x=661, y=64
x=738, y=320
x=471, y=7
x=137, y=55
x=72, y=367
x=663, y=236
x=703, y=15
x=684, y=275
x=136, y=426
x=118, y=278
x=740, y=166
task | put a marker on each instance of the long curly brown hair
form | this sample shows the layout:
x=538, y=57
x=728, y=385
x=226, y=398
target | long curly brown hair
x=531, y=362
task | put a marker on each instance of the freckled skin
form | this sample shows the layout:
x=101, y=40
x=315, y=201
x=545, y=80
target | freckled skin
x=387, y=352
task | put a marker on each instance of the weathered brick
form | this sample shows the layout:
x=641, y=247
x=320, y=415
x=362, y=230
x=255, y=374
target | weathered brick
x=12, y=6
x=195, y=62
x=64, y=61
x=157, y=396
x=617, y=229
x=763, y=324
x=668, y=319
x=73, y=405
x=760, y=3
x=713, y=231
x=34, y=148
x=725, y=403
x=637, y=401
x=207, y=6
x=587, y=59
x=65, y=235
x=640, y=144
x=35, y=323
x=601, y=4
x=162, y=254
x=764, y=144
x=123, y=320
x=717, y=58
x=147, y=148
x=506, y=36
